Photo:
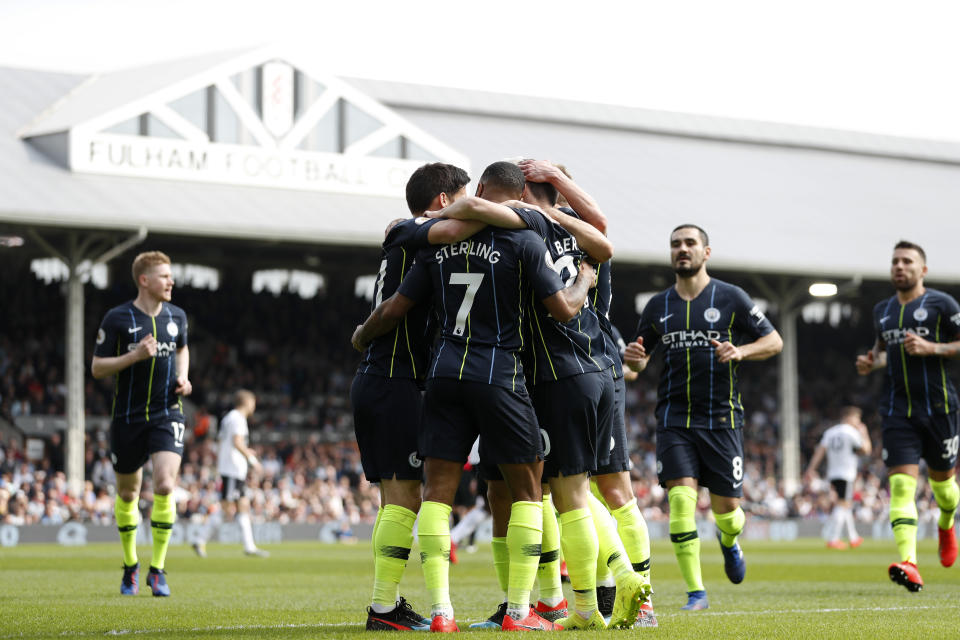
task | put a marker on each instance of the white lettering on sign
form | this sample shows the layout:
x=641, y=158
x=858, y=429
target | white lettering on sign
x=116, y=154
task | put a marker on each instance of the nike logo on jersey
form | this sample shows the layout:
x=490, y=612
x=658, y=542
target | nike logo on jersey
x=134, y=330
x=664, y=318
x=736, y=485
x=884, y=319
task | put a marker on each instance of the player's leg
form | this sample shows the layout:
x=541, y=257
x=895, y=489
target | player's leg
x=902, y=449
x=499, y=501
x=127, y=514
x=678, y=467
x=524, y=535
x=246, y=525
x=721, y=459
x=941, y=439
x=166, y=466
x=835, y=521
x=551, y=603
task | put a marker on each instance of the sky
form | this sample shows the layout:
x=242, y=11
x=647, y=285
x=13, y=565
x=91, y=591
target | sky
x=876, y=66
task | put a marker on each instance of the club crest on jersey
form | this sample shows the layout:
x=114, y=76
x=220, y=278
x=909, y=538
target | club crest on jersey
x=172, y=328
x=101, y=336
x=414, y=461
x=920, y=314
x=712, y=314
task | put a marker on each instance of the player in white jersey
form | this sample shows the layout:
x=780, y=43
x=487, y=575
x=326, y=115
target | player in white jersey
x=842, y=444
x=234, y=458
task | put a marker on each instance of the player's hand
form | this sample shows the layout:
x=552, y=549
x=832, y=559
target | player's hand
x=635, y=354
x=727, y=351
x=184, y=388
x=355, y=340
x=865, y=363
x=146, y=348
x=434, y=214
x=587, y=270
x=917, y=346
x=808, y=478
x=539, y=170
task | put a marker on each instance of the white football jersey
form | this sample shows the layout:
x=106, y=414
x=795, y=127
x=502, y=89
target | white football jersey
x=841, y=442
x=230, y=462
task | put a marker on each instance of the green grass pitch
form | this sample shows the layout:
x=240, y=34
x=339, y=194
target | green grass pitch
x=309, y=590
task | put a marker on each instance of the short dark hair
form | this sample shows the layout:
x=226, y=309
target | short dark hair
x=504, y=175
x=544, y=191
x=905, y=244
x=703, y=234
x=430, y=180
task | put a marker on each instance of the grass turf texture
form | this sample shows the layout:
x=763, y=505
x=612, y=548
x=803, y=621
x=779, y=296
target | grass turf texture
x=306, y=590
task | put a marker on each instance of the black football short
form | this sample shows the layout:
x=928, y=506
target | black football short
x=844, y=488
x=573, y=411
x=132, y=444
x=386, y=420
x=713, y=456
x=232, y=489
x=619, y=456
x=934, y=438
x=456, y=412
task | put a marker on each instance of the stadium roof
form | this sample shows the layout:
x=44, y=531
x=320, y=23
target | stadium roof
x=776, y=199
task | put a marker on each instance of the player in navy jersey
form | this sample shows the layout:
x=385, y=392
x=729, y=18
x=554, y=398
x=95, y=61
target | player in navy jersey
x=705, y=328
x=476, y=385
x=386, y=394
x=917, y=329
x=143, y=344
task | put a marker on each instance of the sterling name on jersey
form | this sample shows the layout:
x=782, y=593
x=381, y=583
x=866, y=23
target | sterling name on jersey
x=479, y=288
x=917, y=384
x=145, y=390
x=402, y=353
x=560, y=350
x=695, y=389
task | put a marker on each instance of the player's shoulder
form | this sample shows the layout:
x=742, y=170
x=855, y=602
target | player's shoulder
x=728, y=289
x=404, y=229
x=882, y=306
x=935, y=295
x=569, y=211
x=121, y=311
x=174, y=310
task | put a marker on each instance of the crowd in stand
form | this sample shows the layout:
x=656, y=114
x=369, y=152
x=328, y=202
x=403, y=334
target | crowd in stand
x=295, y=355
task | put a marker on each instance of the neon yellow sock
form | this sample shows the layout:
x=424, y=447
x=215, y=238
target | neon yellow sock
x=162, y=517
x=610, y=548
x=434, y=532
x=684, y=536
x=548, y=571
x=393, y=539
x=376, y=525
x=128, y=517
x=524, y=536
x=636, y=538
x=947, y=494
x=903, y=515
x=730, y=525
x=501, y=563
x=578, y=537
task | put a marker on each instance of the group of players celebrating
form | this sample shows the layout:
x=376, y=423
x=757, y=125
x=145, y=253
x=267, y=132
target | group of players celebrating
x=498, y=305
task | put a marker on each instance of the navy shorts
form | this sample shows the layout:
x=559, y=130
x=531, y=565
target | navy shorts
x=386, y=420
x=573, y=412
x=933, y=438
x=619, y=456
x=456, y=412
x=132, y=444
x=232, y=489
x=713, y=456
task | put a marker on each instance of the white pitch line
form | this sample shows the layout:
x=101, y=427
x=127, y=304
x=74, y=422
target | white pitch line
x=321, y=625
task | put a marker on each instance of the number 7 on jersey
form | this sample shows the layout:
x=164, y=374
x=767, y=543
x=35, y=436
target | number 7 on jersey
x=473, y=281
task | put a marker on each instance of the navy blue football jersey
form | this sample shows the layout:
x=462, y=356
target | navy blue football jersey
x=695, y=389
x=145, y=390
x=577, y=346
x=479, y=288
x=403, y=352
x=917, y=384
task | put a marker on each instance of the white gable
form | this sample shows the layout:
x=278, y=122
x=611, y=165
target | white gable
x=260, y=118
